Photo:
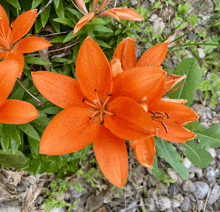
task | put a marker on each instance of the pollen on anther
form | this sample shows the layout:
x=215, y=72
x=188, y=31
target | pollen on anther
x=110, y=95
x=83, y=99
x=90, y=118
x=101, y=123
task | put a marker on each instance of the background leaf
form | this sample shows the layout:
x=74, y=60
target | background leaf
x=191, y=68
x=197, y=155
x=14, y=3
x=166, y=151
x=29, y=130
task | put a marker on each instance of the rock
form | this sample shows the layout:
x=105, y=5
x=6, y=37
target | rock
x=169, y=210
x=212, y=152
x=10, y=209
x=206, y=6
x=218, y=153
x=39, y=200
x=215, y=121
x=185, y=204
x=134, y=2
x=179, y=197
x=186, y=163
x=197, y=170
x=131, y=207
x=188, y=185
x=94, y=202
x=201, y=52
x=158, y=25
x=57, y=210
x=42, y=206
x=167, y=31
x=175, y=203
x=191, y=35
x=163, y=190
x=60, y=196
x=67, y=195
x=174, y=190
x=191, y=175
x=201, y=189
x=214, y=195
x=200, y=205
x=152, y=1
x=153, y=192
x=138, y=52
x=176, y=177
x=163, y=203
x=177, y=210
x=151, y=204
x=189, y=53
x=102, y=209
x=210, y=174
x=168, y=13
x=198, y=108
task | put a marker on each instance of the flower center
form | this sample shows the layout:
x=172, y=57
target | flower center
x=158, y=116
x=100, y=107
x=4, y=38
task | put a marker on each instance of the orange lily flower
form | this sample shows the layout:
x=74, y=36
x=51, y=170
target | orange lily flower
x=99, y=10
x=10, y=35
x=13, y=111
x=97, y=109
x=168, y=114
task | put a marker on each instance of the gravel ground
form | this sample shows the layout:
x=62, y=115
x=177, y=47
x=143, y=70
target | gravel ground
x=19, y=191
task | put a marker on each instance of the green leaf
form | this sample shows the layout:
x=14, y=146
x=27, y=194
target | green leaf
x=38, y=25
x=65, y=21
x=35, y=3
x=209, y=138
x=4, y=139
x=157, y=172
x=101, y=28
x=10, y=160
x=69, y=37
x=1, y=128
x=56, y=3
x=60, y=10
x=183, y=8
x=103, y=44
x=191, y=68
x=44, y=16
x=193, y=19
x=37, y=61
x=192, y=126
x=34, y=145
x=52, y=110
x=213, y=40
x=29, y=130
x=197, y=155
x=166, y=151
x=76, y=13
x=14, y=3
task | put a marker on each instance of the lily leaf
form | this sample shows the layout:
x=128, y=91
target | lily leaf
x=197, y=155
x=29, y=130
x=8, y=159
x=191, y=69
x=166, y=151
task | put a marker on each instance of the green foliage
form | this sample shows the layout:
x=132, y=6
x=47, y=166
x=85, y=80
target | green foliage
x=191, y=69
x=214, y=40
x=183, y=8
x=193, y=19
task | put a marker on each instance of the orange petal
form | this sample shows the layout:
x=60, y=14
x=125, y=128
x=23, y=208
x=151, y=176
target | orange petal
x=59, y=89
x=93, y=71
x=84, y=20
x=171, y=80
x=22, y=25
x=145, y=151
x=8, y=75
x=31, y=44
x=130, y=121
x=176, y=133
x=110, y=13
x=4, y=20
x=16, y=55
x=14, y=111
x=81, y=5
x=127, y=14
x=179, y=101
x=132, y=143
x=137, y=82
x=69, y=131
x=115, y=67
x=112, y=157
x=179, y=113
x=125, y=52
x=154, y=56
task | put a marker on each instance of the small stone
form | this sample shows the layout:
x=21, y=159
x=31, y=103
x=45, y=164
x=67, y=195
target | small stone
x=138, y=52
x=212, y=152
x=174, y=190
x=10, y=209
x=209, y=115
x=215, y=121
x=198, y=108
x=191, y=175
x=158, y=25
x=164, y=203
x=177, y=210
x=186, y=162
x=175, y=176
x=206, y=6
x=42, y=206
x=214, y=195
x=94, y=202
x=102, y=209
x=60, y=196
x=188, y=185
x=57, y=210
x=201, y=189
x=175, y=203
x=201, y=52
x=218, y=153
x=179, y=197
x=213, y=162
x=134, y=2
x=200, y=205
x=131, y=207
x=191, y=35
x=169, y=210
x=210, y=174
x=189, y=53
x=152, y=1
x=39, y=200
x=185, y=204
x=197, y=170
x=151, y=203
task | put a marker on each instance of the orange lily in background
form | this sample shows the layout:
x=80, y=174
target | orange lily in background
x=97, y=109
x=13, y=111
x=168, y=114
x=18, y=29
x=99, y=10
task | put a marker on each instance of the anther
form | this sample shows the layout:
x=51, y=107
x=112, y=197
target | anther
x=83, y=99
x=110, y=95
x=95, y=90
x=168, y=116
x=101, y=123
x=90, y=118
x=165, y=127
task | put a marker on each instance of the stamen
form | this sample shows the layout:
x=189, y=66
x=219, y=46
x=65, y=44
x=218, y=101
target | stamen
x=83, y=99
x=106, y=101
x=102, y=122
x=90, y=104
x=165, y=127
x=154, y=115
x=109, y=113
x=168, y=116
x=94, y=114
x=174, y=89
x=98, y=99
